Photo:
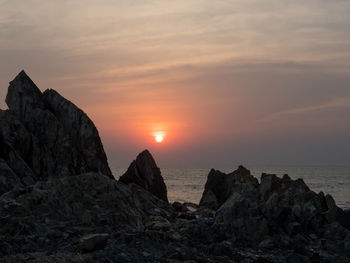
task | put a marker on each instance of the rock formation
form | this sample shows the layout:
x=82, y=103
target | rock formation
x=75, y=205
x=45, y=135
x=82, y=132
x=220, y=186
x=60, y=203
x=277, y=207
x=144, y=172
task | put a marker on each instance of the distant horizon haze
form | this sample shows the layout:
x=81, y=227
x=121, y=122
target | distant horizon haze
x=224, y=82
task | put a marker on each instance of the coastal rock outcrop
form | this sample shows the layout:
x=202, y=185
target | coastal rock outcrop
x=60, y=203
x=144, y=172
x=277, y=206
x=61, y=213
x=81, y=130
x=44, y=135
x=220, y=186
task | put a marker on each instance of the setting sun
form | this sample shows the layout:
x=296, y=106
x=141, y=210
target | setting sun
x=159, y=138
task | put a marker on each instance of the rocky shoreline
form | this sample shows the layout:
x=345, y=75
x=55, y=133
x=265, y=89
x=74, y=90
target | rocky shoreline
x=59, y=201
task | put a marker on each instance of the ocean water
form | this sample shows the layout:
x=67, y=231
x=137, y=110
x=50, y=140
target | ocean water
x=187, y=185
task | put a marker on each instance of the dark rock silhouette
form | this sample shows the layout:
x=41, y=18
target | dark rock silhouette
x=220, y=186
x=144, y=172
x=45, y=135
x=17, y=144
x=251, y=211
x=24, y=97
x=82, y=132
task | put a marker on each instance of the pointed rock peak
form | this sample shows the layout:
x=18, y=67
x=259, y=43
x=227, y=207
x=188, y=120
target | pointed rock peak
x=82, y=131
x=23, y=78
x=145, y=152
x=243, y=170
x=145, y=173
x=21, y=75
x=23, y=95
x=145, y=157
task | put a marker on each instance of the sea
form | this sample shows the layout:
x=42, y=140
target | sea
x=187, y=184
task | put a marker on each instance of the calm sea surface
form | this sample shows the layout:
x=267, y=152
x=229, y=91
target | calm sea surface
x=188, y=184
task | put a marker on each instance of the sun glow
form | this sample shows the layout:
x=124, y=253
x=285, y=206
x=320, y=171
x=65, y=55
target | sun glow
x=159, y=138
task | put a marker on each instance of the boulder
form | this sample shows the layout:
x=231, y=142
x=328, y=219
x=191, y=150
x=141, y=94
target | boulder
x=144, y=172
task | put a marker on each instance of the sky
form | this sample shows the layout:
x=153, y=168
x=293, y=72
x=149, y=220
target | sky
x=226, y=82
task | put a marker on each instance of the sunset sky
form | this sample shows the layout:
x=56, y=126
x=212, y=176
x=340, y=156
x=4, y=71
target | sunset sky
x=226, y=82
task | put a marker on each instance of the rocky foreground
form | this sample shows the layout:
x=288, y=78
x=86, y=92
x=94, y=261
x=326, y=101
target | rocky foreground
x=59, y=201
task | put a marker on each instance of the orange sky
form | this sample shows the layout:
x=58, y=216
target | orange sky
x=228, y=82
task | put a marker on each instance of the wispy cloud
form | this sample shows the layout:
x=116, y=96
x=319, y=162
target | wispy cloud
x=213, y=65
x=332, y=104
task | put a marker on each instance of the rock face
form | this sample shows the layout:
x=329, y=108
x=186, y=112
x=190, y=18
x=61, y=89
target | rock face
x=220, y=186
x=23, y=96
x=144, y=172
x=44, y=135
x=251, y=211
x=82, y=132
x=72, y=211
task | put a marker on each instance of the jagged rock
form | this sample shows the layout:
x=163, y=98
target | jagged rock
x=19, y=149
x=8, y=179
x=240, y=216
x=83, y=133
x=45, y=135
x=287, y=203
x=144, y=172
x=79, y=205
x=23, y=96
x=248, y=210
x=220, y=186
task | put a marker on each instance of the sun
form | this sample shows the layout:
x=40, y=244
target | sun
x=159, y=138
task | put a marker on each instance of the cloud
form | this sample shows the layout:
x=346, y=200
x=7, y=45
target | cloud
x=332, y=104
x=216, y=66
